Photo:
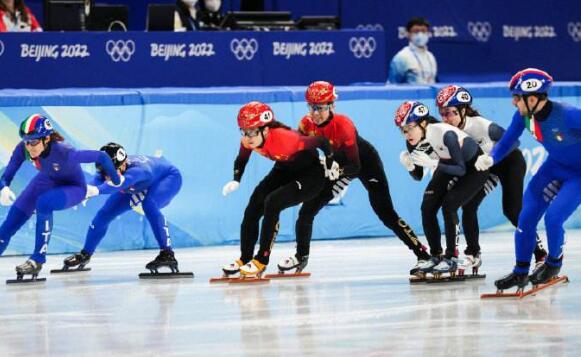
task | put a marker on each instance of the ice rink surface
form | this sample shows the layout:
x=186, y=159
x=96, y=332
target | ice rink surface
x=358, y=302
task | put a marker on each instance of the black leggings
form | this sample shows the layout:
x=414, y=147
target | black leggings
x=373, y=178
x=511, y=172
x=278, y=190
x=463, y=194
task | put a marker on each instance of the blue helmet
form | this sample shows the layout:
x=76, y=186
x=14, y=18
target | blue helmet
x=35, y=126
x=530, y=81
x=410, y=112
x=453, y=96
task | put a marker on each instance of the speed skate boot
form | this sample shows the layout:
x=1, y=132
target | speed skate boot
x=165, y=258
x=293, y=262
x=520, y=280
x=29, y=267
x=470, y=263
x=417, y=269
x=78, y=259
x=232, y=268
x=446, y=265
x=427, y=266
x=546, y=271
x=253, y=269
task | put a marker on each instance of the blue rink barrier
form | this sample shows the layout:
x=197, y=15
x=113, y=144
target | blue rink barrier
x=196, y=130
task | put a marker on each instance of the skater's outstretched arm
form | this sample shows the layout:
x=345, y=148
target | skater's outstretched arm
x=510, y=137
x=241, y=161
x=98, y=157
x=16, y=160
x=133, y=177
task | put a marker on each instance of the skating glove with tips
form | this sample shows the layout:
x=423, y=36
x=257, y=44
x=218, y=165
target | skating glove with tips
x=483, y=162
x=406, y=161
x=7, y=197
x=230, y=187
x=420, y=158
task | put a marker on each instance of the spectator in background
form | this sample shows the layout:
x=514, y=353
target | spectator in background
x=186, y=15
x=210, y=15
x=414, y=64
x=16, y=17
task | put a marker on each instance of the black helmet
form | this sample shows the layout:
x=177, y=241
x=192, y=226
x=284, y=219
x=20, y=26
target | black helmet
x=117, y=154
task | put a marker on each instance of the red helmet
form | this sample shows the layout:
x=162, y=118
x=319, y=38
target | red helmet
x=254, y=115
x=320, y=92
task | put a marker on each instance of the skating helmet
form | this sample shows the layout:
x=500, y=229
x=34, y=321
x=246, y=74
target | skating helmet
x=254, y=115
x=530, y=81
x=410, y=112
x=35, y=126
x=321, y=92
x=453, y=96
x=117, y=154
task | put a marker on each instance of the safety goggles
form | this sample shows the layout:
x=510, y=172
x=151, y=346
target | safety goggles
x=32, y=142
x=319, y=107
x=250, y=133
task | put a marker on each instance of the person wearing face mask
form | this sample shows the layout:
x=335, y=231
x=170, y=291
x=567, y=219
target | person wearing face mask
x=455, y=107
x=58, y=185
x=414, y=64
x=210, y=16
x=296, y=177
x=451, y=154
x=186, y=13
x=357, y=159
x=555, y=190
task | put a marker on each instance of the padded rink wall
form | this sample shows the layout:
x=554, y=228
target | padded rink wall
x=196, y=130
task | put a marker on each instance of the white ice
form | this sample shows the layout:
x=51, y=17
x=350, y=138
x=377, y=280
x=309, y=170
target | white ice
x=357, y=302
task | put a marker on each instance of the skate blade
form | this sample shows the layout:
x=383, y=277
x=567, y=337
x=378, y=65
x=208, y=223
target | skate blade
x=68, y=270
x=253, y=280
x=445, y=279
x=24, y=281
x=287, y=275
x=532, y=291
x=180, y=275
x=474, y=276
x=417, y=279
x=222, y=279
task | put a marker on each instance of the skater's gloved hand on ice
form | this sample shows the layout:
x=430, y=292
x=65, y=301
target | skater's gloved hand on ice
x=7, y=197
x=420, y=158
x=406, y=161
x=484, y=162
x=230, y=187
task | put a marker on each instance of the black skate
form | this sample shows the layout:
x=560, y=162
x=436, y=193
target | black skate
x=74, y=263
x=544, y=273
x=521, y=281
x=511, y=280
x=285, y=266
x=30, y=267
x=165, y=258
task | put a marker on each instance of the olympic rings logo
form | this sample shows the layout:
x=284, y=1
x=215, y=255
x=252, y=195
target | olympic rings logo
x=244, y=49
x=362, y=47
x=1, y=48
x=481, y=31
x=120, y=50
x=369, y=27
x=574, y=29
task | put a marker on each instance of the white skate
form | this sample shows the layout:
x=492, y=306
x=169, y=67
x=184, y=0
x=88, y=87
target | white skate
x=293, y=262
x=446, y=266
x=252, y=270
x=470, y=263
